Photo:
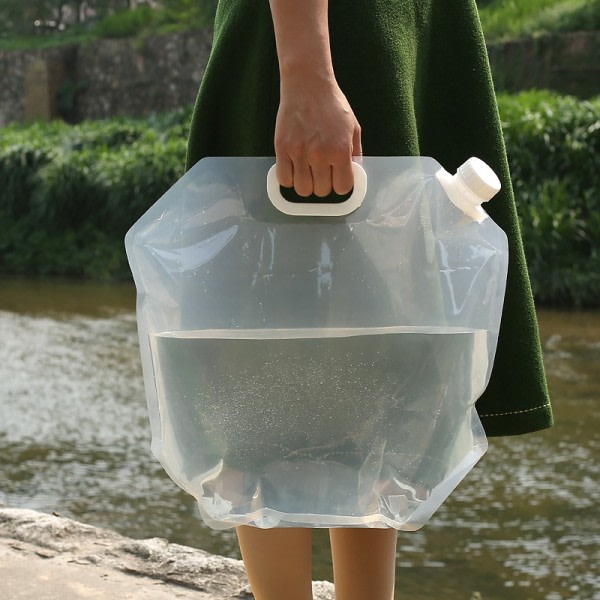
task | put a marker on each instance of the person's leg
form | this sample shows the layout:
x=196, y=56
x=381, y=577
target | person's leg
x=364, y=563
x=278, y=562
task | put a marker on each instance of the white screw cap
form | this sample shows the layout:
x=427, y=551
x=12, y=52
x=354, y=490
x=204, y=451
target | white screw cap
x=479, y=179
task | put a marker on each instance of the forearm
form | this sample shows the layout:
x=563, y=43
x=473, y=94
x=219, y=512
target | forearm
x=302, y=37
x=316, y=133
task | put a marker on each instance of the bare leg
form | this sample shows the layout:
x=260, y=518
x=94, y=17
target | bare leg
x=278, y=562
x=364, y=562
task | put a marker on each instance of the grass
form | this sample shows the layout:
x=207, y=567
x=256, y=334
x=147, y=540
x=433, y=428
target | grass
x=501, y=19
x=504, y=19
x=134, y=24
x=51, y=40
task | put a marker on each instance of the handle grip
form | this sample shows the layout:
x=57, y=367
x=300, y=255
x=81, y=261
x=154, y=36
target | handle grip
x=318, y=209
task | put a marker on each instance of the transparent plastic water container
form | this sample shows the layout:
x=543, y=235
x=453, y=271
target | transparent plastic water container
x=317, y=365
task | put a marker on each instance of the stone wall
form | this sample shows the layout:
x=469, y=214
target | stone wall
x=123, y=77
x=103, y=79
x=29, y=83
x=120, y=78
x=568, y=63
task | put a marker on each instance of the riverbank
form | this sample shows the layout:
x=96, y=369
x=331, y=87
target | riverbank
x=49, y=556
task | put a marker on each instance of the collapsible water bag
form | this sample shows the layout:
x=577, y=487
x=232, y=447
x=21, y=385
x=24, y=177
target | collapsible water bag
x=317, y=365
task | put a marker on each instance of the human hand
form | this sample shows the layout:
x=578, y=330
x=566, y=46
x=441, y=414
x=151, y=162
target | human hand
x=316, y=136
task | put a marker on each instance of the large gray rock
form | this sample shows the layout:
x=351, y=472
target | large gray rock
x=49, y=556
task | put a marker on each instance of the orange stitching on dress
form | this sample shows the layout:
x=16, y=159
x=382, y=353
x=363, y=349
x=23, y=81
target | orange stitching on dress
x=516, y=412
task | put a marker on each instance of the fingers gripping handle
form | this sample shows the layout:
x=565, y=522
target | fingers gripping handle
x=314, y=209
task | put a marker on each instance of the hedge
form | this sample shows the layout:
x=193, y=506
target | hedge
x=506, y=19
x=68, y=194
x=553, y=146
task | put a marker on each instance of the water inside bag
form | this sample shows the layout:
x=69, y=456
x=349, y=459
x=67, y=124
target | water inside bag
x=348, y=415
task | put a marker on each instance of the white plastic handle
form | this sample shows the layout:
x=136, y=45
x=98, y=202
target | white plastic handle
x=318, y=209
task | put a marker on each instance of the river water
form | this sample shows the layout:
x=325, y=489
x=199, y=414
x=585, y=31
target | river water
x=74, y=439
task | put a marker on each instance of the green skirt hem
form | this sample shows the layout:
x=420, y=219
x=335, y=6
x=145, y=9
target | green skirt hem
x=518, y=422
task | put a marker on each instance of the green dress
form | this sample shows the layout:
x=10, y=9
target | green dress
x=417, y=76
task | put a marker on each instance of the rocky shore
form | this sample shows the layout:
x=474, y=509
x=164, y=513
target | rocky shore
x=51, y=557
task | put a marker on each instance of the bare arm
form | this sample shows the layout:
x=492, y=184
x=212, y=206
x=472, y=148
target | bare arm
x=316, y=133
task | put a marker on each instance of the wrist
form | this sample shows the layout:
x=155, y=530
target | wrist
x=312, y=85
x=306, y=73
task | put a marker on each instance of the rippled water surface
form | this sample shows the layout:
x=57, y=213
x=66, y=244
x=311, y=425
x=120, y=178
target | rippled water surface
x=74, y=438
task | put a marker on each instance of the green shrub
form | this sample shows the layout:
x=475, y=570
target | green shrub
x=182, y=15
x=138, y=175
x=127, y=23
x=186, y=14
x=103, y=134
x=165, y=17
x=502, y=19
x=583, y=16
x=553, y=146
x=69, y=194
x=23, y=151
x=179, y=118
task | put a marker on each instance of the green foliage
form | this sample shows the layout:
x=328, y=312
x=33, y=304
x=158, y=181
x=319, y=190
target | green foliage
x=125, y=24
x=10, y=41
x=40, y=23
x=503, y=19
x=49, y=18
x=584, y=16
x=189, y=14
x=136, y=176
x=44, y=23
x=23, y=151
x=553, y=145
x=68, y=194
